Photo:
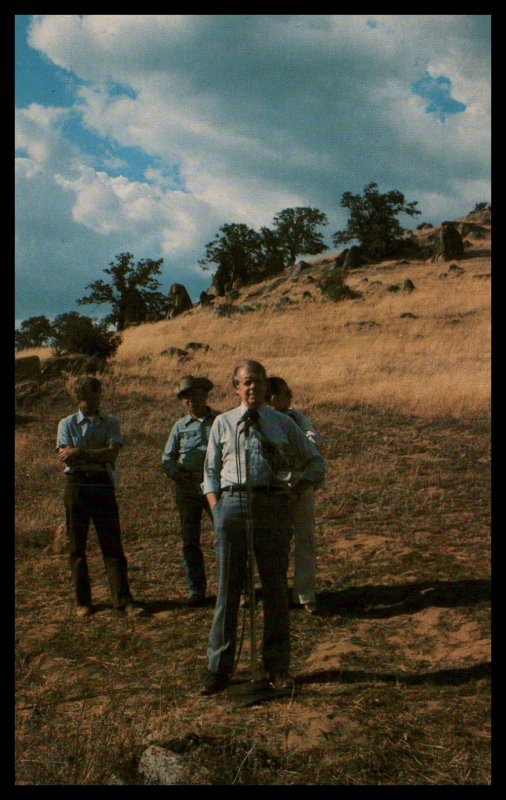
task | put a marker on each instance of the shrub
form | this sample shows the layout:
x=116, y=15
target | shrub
x=75, y=333
x=332, y=285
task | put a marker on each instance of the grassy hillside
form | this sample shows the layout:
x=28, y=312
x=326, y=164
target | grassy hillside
x=392, y=679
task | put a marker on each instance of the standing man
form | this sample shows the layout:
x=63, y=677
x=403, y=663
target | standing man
x=279, y=396
x=88, y=443
x=276, y=445
x=183, y=462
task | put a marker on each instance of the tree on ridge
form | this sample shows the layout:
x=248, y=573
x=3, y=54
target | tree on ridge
x=373, y=222
x=132, y=291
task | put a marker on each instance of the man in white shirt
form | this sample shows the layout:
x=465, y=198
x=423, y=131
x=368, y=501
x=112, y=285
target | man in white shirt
x=276, y=446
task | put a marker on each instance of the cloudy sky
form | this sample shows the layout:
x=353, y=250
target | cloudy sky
x=147, y=133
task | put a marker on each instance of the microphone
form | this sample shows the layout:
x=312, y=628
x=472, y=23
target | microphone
x=249, y=418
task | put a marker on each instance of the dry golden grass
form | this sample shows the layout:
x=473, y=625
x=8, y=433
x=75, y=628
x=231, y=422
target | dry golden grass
x=436, y=361
x=353, y=351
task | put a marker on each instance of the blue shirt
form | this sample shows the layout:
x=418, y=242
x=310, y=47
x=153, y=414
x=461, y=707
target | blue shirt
x=225, y=462
x=187, y=443
x=305, y=425
x=77, y=430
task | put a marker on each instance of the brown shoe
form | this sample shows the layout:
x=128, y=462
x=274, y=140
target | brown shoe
x=132, y=610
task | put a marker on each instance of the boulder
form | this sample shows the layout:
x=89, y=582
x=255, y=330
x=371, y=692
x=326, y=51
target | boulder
x=197, y=346
x=178, y=301
x=73, y=363
x=162, y=767
x=353, y=258
x=27, y=368
x=449, y=245
x=300, y=265
x=350, y=258
x=206, y=299
x=474, y=230
x=175, y=352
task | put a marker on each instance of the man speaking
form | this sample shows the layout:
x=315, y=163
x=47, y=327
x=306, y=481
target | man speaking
x=276, y=445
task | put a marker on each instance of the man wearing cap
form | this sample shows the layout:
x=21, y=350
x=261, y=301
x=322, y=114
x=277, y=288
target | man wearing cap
x=183, y=461
x=276, y=445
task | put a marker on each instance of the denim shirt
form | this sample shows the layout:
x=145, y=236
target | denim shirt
x=77, y=430
x=225, y=462
x=185, y=449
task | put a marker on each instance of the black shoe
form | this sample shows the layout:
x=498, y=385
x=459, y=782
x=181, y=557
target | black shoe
x=196, y=599
x=215, y=682
x=281, y=681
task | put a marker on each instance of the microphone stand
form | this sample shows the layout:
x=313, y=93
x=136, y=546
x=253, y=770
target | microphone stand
x=257, y=690
x=250, y=556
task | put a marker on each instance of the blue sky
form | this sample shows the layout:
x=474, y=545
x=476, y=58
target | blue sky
x=147, y=133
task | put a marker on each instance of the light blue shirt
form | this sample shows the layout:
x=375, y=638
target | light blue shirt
x=77, y=430
x=225, y=462
x=187, y=443
x=305, y=425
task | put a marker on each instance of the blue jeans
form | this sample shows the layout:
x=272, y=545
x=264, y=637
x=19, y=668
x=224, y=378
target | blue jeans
x=271, y=516
x=191, y=504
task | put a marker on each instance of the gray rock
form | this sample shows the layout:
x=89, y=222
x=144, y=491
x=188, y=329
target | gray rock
x=162, y=767
x=27, y=368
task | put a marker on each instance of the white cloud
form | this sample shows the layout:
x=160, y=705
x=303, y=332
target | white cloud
x=257, y=113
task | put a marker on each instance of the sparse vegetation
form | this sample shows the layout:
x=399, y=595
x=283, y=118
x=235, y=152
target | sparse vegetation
x=332, y=284
x=393, y=677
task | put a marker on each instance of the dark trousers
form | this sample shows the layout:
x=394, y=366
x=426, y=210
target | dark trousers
x=191, y=504
x=90, y=497
x=271, y=518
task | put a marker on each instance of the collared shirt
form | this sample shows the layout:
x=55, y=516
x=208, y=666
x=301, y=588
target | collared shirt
x=305, y=425
x=77, y=430
x=225, y=463
x=186, y=446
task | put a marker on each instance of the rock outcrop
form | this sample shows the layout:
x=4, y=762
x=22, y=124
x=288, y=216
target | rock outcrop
x=178, y=301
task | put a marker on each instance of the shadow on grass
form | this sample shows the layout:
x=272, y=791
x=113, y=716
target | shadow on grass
x=485, y=252
x=441, y=677
x=21, y=419
x=380, y=602
x=155, y=606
